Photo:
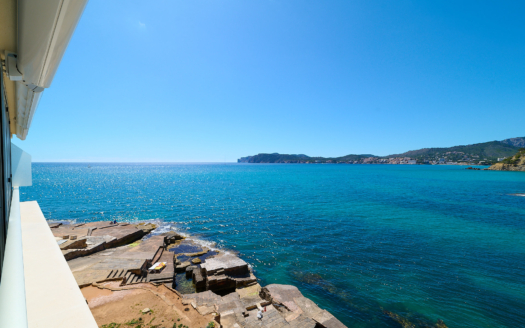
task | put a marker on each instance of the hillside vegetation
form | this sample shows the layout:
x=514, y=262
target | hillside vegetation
x=488, y=151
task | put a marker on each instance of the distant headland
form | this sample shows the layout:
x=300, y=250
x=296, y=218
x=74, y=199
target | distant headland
x=513, y=163
x=486, y=153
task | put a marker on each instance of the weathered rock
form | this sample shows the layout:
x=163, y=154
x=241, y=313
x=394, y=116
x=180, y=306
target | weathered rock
x=280, y=294
x=189, y=271
x=204, y=251
x=219, y=283
x=171, y=237
x=301, y=309
x=146, y=227
x=196, y=261
x=176, y=261
x=514, y=163
x=196, y=300
x=74, y=244
x=182, y=267
x=198, y=280
x=231, y=264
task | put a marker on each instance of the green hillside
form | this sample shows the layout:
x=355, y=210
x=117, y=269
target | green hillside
x=489, y=151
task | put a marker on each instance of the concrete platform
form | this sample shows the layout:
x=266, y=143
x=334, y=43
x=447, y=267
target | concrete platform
x=115, y=263
x=231, y=264
x=52, y=294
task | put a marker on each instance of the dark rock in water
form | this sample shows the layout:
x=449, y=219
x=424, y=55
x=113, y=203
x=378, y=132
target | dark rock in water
x=198, y=280
x=440, y=324
x=318, y=280
x=414, y=323
x=404, y=322
x=309, y=278
x=473, y=168
x=182, y=267
x=189, y=271
x=171, y=237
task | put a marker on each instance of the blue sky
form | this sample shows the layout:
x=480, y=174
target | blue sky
x=214, y=80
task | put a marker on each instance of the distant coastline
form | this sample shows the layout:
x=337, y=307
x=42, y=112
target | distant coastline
x=487, y=153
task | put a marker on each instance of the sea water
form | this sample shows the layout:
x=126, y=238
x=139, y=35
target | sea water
x=362, y=241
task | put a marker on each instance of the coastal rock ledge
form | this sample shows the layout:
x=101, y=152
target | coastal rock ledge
x=506, y=167
x=126, y=272
x=514, y=163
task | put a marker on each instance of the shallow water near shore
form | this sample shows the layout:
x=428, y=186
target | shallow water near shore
x=424, y=242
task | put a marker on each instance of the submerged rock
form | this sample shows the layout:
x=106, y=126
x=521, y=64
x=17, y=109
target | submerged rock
x=189, y=271
x=404, y=322
x=414, y=323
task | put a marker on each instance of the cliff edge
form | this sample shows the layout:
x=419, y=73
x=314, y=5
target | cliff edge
x=514, y=163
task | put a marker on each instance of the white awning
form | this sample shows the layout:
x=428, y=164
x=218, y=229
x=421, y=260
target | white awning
x=44, y=29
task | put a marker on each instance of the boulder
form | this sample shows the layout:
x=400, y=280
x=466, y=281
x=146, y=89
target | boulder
x=189, y=271
x=226, y=264
x=146, y=227
x=198, y=280
x=182, y=267
x=171, y=237
x=196, y=260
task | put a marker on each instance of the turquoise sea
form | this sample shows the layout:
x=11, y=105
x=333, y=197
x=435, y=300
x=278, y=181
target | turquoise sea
x=423, y=242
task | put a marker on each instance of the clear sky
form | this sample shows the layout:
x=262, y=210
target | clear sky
x=214, y=80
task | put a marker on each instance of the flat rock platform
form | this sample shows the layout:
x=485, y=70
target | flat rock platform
x=118, y=259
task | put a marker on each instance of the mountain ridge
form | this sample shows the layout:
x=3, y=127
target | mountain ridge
x=488, y=152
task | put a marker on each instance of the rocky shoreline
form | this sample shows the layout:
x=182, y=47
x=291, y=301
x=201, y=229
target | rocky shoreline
x=506, y=167
x=513, y=163
x=205, y=283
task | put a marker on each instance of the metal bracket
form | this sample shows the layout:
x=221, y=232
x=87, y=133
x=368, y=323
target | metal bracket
x=11, y=68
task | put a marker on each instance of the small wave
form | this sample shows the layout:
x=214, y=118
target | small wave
x=163, y=227
x=65, y=221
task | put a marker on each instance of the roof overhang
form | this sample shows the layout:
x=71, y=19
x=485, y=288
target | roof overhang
x=43, y=30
